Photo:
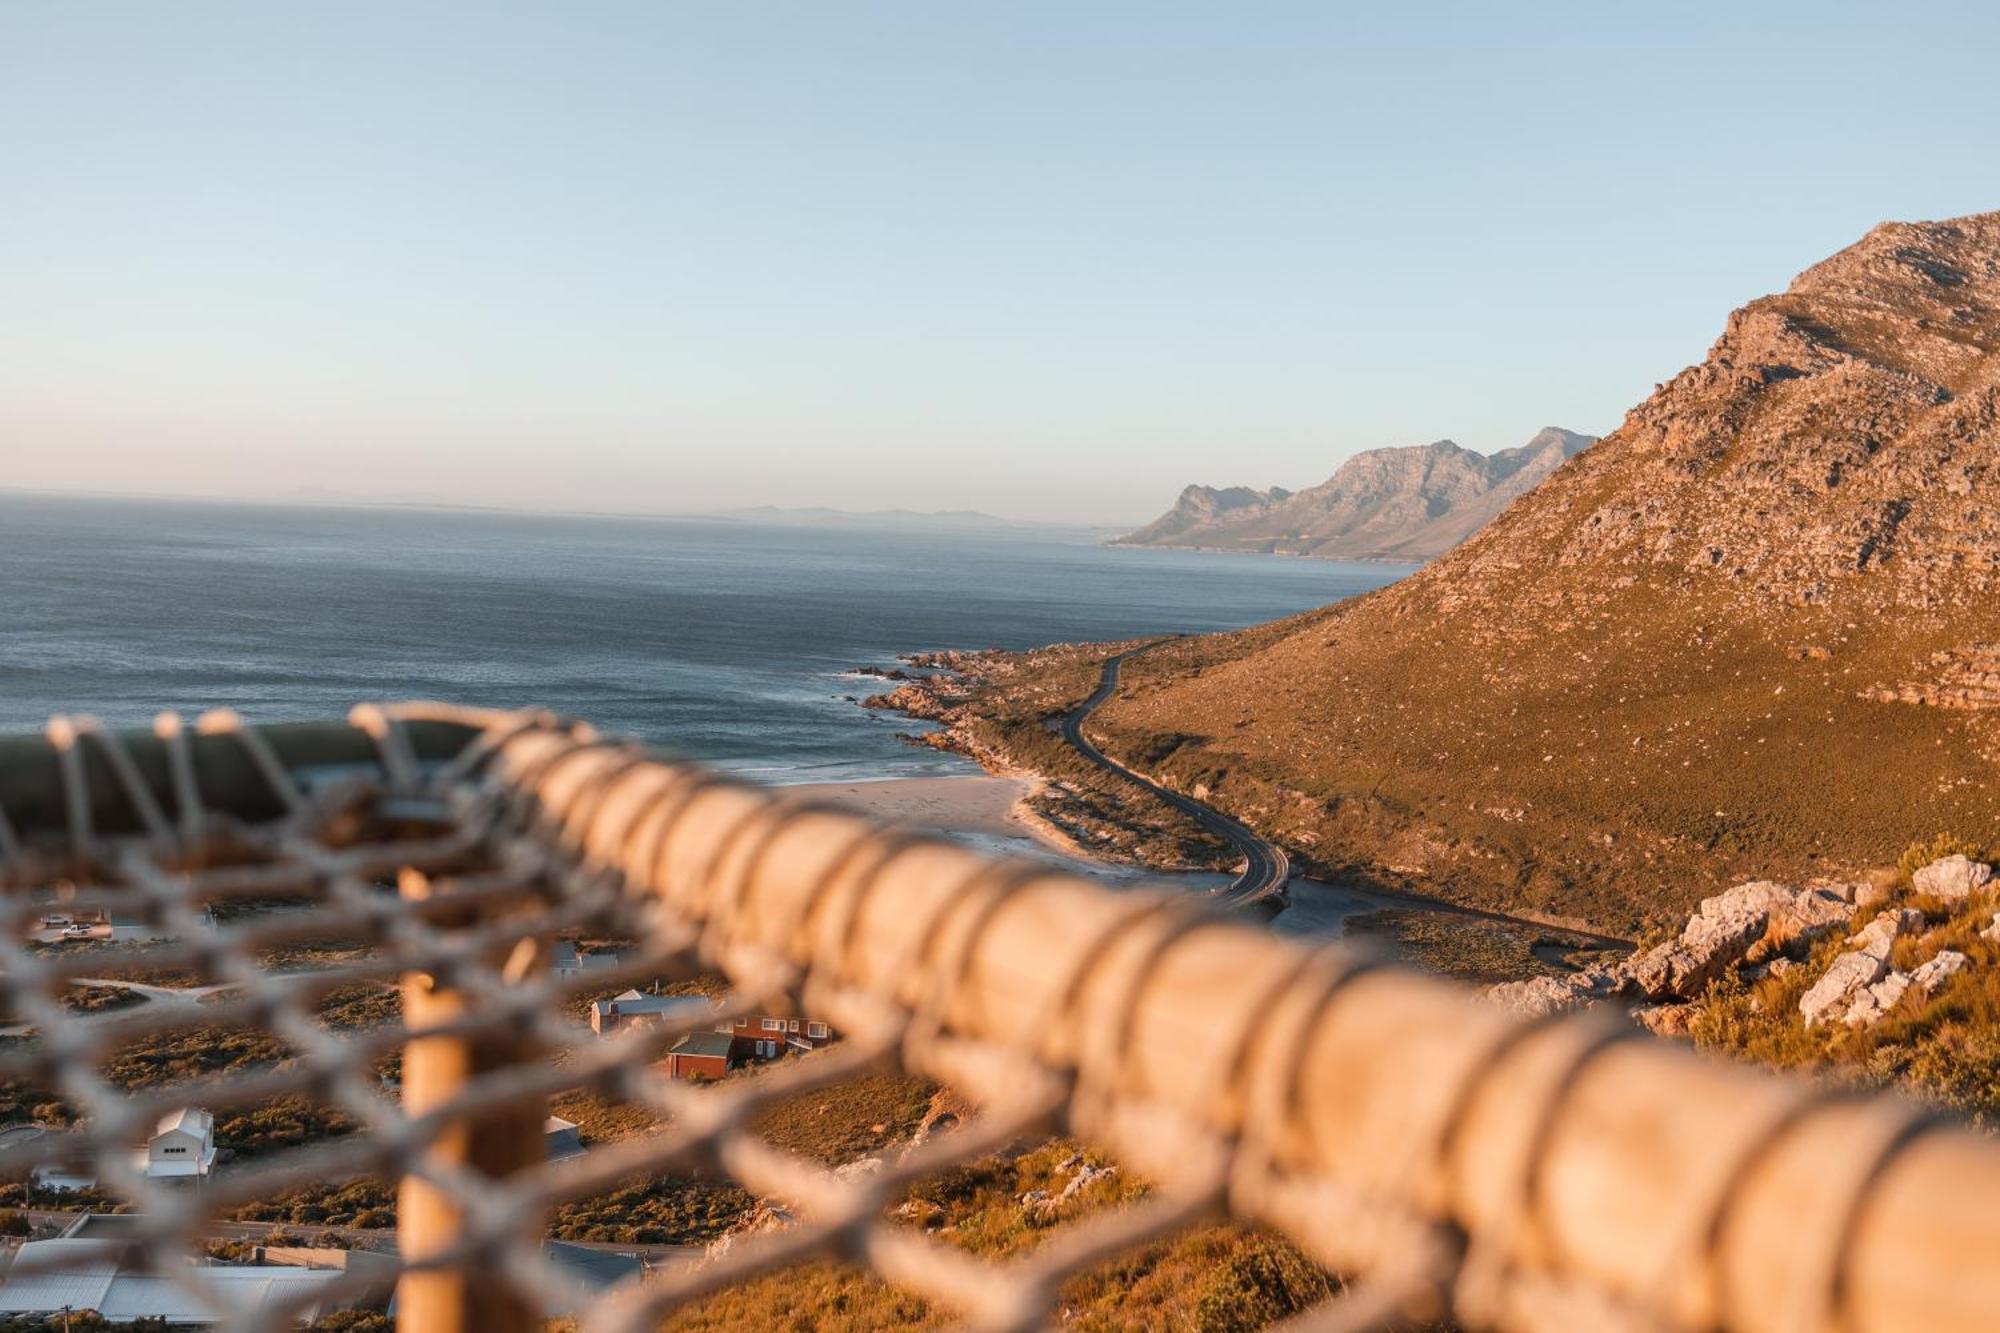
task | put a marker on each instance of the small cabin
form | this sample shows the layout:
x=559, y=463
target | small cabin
x=182, y=1146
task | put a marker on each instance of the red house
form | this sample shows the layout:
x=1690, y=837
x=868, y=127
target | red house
x=700, y=1055
x=764, y=1037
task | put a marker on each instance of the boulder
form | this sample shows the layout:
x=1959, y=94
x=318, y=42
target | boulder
x=1664, y=1020
x=1992, y=931
x=1954, y=879
x=1865, y=963
x=1809, y=914
x=1873, y=1003
x=1716, y=938
x=1879, y=935
x=1947, y=963
x=1536, y=997
x=1833, y=994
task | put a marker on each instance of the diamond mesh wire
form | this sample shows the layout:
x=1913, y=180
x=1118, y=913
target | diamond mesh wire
x=445, y=870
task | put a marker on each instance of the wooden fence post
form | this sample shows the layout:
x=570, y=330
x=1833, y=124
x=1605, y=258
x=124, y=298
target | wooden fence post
x=496, y=1143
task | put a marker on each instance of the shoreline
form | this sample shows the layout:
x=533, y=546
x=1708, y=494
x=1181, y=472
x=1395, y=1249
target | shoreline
x=944, y=688
x=990, y=811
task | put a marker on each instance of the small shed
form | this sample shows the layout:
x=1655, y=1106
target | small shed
x=182, y=1146
x=700, y=1055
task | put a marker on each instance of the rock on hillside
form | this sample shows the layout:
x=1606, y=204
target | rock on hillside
x=1761, y=931
x=1703, y=648
x=1409, y=503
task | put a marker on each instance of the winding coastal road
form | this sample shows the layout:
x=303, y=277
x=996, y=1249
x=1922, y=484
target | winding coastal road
x=1266, y=866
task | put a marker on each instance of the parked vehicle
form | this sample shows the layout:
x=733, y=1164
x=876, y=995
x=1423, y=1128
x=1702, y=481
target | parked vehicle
x=78, y=931
x=55, y=921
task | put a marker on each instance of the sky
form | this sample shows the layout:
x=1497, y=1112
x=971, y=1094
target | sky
x=1046, y=260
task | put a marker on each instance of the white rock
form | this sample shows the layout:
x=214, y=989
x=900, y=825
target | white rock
x=1811, y=913
x=1843, y=979
x=1716, y=938
x=1947, y=963
x=1872, y=1004
x=1953, y=879
x=1838, y=991
x=1992, y=931
x=1535, y=997
x=1879, y=935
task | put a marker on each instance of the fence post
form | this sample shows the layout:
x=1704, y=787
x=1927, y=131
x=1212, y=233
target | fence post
x=496, y=1143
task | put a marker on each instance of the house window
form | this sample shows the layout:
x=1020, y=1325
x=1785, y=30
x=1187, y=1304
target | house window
x=795, y=1025
x=815, y=1030
x=774, y=1025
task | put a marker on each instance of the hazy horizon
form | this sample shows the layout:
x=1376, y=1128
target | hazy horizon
x=1048, y=264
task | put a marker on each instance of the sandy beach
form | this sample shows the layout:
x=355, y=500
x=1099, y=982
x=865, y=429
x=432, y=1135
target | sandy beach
x=974, y=803
x=982, y=809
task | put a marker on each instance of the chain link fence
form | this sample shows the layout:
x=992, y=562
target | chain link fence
x=1451, y=1162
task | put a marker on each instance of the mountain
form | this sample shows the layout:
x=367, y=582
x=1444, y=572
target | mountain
x=1200, y=510
x=1410, y=503
x=1753, y=632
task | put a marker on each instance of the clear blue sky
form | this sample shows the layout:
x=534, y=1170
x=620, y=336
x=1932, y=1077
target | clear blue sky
x=1049, y=260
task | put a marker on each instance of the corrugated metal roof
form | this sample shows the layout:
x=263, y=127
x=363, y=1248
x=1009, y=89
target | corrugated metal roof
x=99, y=1283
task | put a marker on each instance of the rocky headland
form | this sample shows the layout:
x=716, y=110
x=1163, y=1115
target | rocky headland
x=1405, y=504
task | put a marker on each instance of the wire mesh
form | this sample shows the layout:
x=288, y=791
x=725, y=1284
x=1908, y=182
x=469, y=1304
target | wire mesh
x=441, y=869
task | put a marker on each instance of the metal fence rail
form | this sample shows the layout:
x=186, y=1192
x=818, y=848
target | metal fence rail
x=1562, y=1174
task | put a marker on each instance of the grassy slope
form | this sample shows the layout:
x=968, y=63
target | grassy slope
x=1648, y=749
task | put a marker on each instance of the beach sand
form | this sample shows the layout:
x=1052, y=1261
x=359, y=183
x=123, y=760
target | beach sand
x=969, y=804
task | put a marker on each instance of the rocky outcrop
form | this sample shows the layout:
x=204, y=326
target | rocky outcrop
x=1410, y=503
x=1763, y=930
x=1728, y=928
x=1847, y=985
x=1953, y=879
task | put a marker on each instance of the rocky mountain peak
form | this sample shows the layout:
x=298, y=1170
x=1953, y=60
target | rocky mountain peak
x=1839, y=439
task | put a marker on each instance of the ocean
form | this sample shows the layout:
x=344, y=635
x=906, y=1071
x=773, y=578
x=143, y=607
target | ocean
x=731, y=642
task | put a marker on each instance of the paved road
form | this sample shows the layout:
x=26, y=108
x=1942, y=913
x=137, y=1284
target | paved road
x=1266, y=866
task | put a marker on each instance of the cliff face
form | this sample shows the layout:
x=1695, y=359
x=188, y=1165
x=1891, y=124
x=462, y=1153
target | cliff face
x=1409, y=503
x=1711, y=644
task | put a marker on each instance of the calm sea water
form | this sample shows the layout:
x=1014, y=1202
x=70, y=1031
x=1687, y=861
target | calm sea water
x=722, y=641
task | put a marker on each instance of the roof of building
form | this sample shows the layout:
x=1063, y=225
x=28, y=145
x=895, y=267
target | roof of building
x=633, y=1002
x=193, y=1120
x=595, y=1269
x=705, y=1043
x=561, y=1138
x=94, y=1277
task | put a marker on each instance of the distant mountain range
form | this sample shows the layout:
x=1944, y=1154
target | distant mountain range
x=1409, y=503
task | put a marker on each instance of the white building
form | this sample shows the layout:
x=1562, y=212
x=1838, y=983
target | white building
x=182, y=1146
x=566, y=960
x=637, y=1009
x=47, y=1277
